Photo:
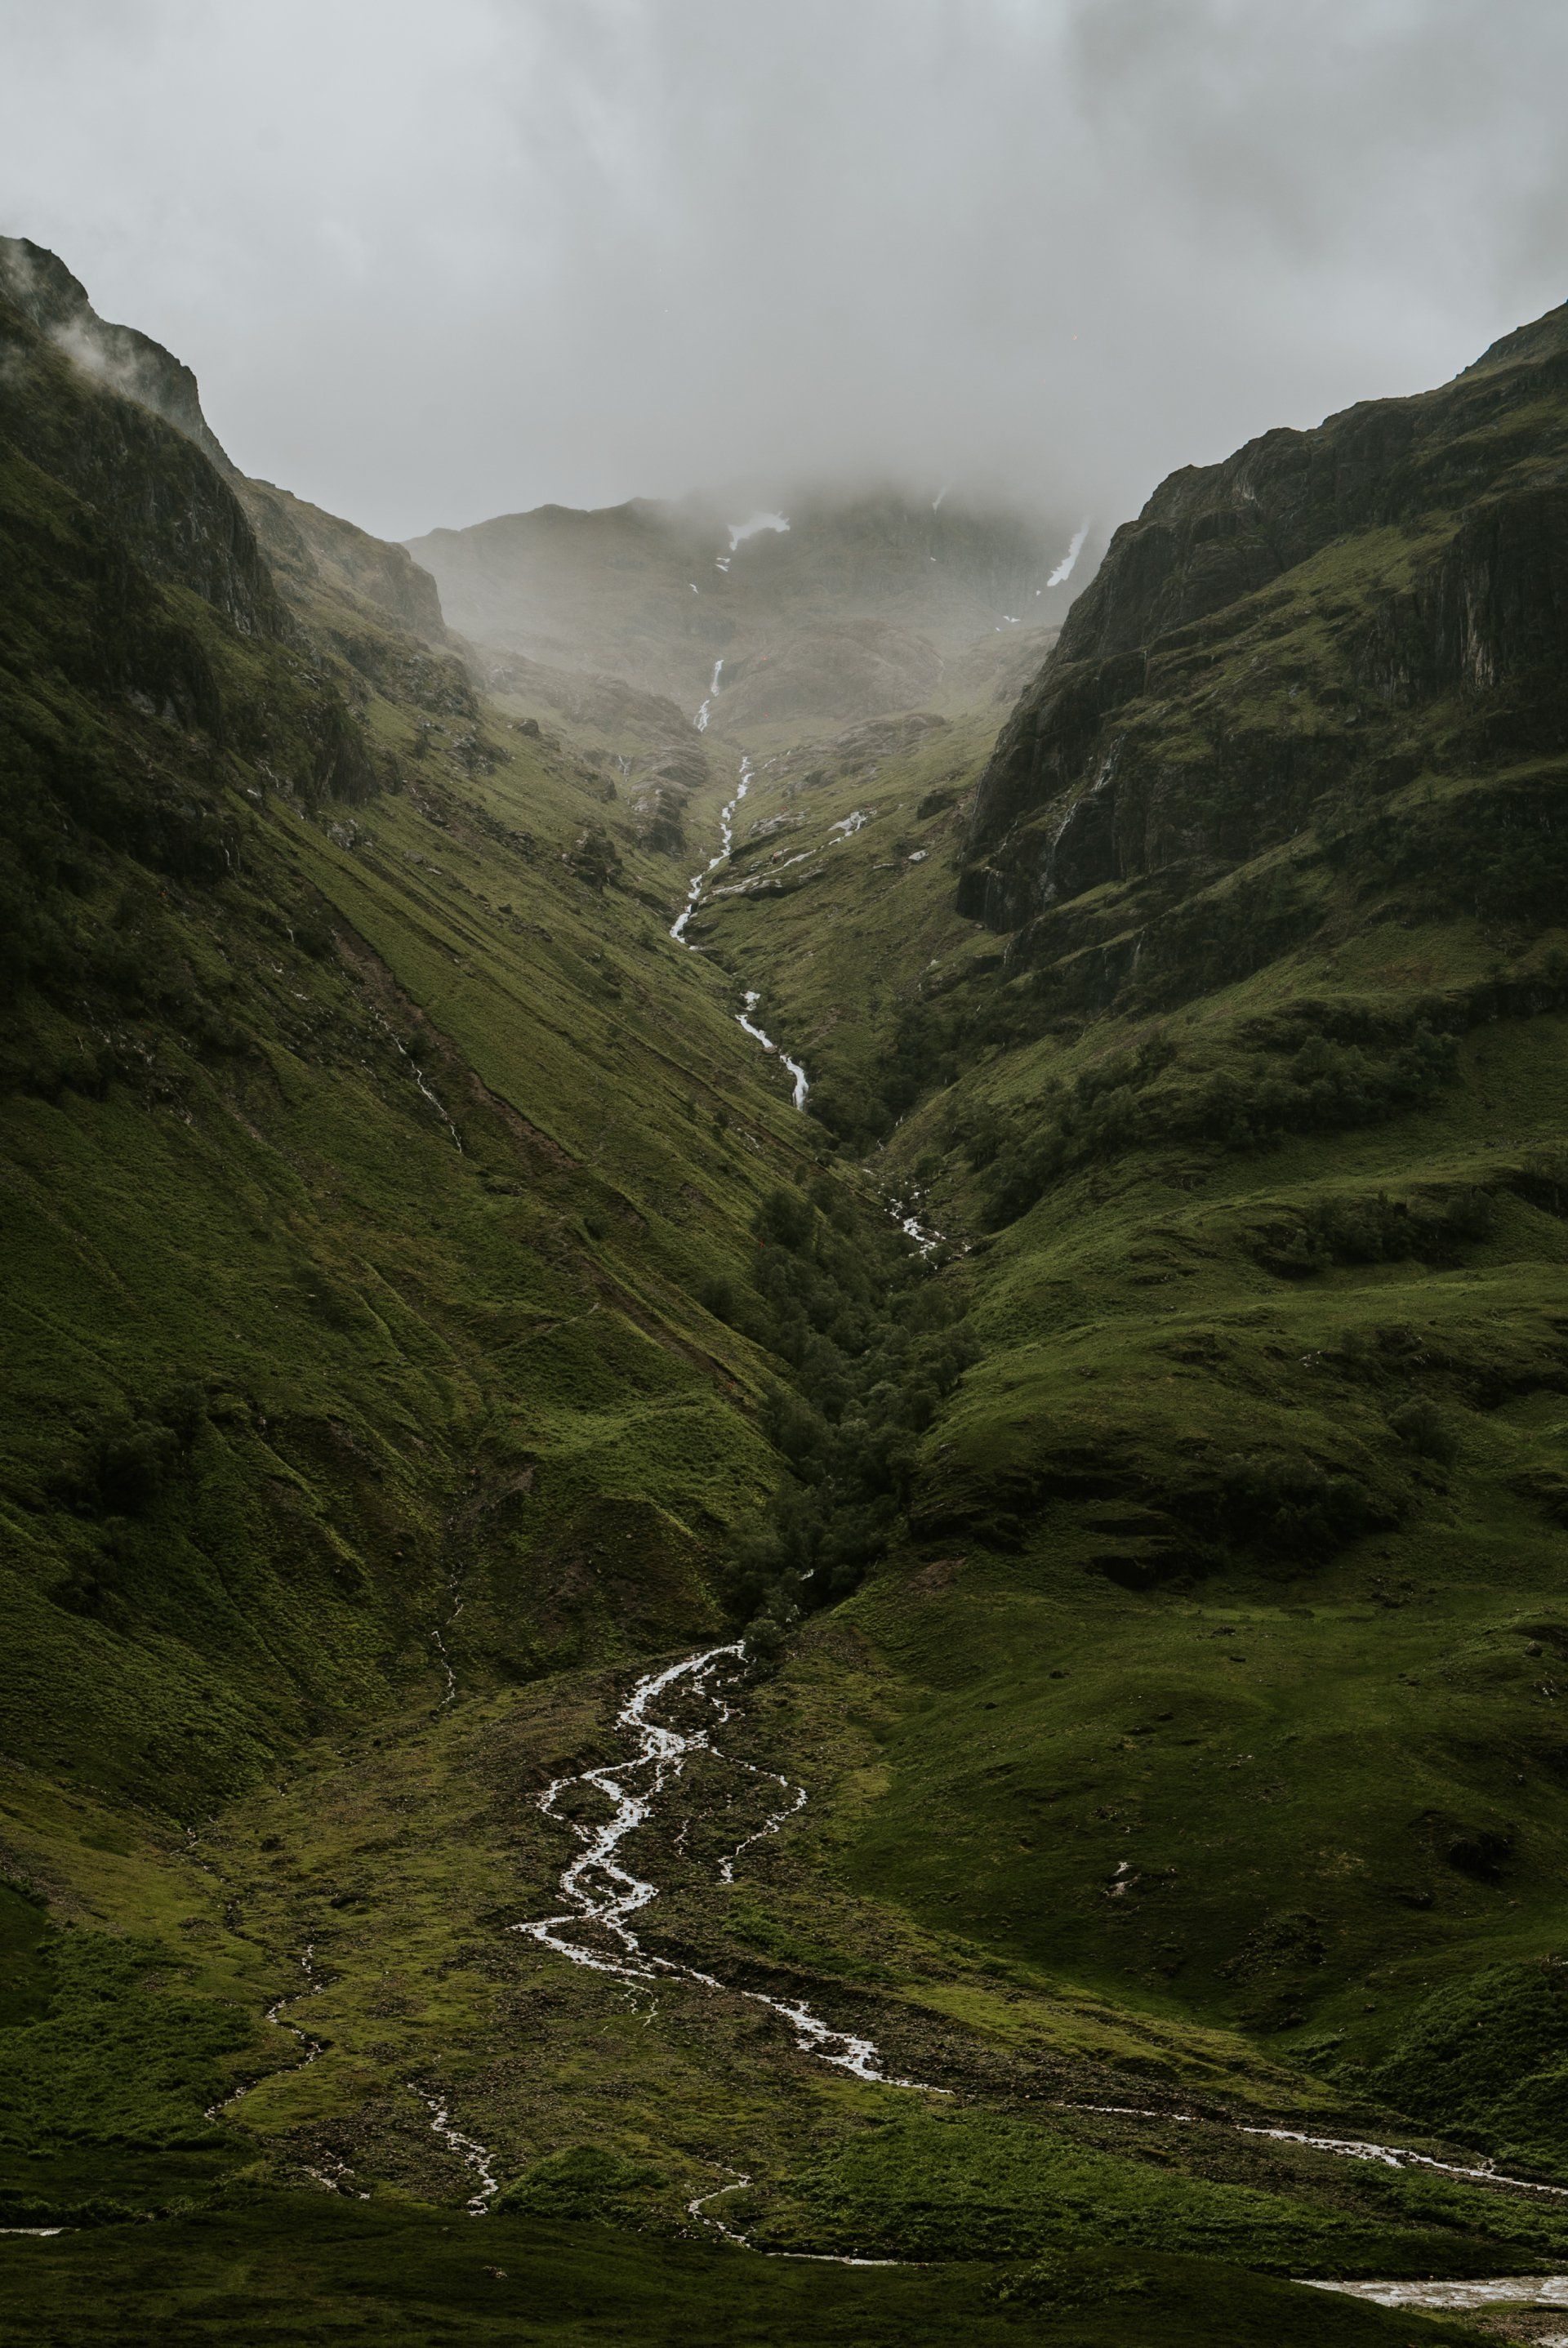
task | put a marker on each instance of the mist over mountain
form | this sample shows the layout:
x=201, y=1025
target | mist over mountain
x=784, y=1356
x=839, y=608
x=472, y=263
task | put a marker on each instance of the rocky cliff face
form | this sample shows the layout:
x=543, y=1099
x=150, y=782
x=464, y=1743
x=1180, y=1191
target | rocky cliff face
x=90, y=406
x=40, y=286
x=1327, y=612
x=318, y=554
x=228, y=538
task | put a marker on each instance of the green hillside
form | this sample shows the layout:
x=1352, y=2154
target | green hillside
x=427, y=1318
x=1241, y=1069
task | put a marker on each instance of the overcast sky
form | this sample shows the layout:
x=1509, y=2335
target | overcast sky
x=433, y=259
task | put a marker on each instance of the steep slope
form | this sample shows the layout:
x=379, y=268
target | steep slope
x=255, y=1053
x=1251, y=1098
x=431, y=1335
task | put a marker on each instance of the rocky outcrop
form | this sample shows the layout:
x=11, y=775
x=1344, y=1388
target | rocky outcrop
x=44, y=290
x=1325, y=612
x=94, y=419
x=315, y=552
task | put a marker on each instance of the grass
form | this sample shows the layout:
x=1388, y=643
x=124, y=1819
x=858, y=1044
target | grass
x=306, y=2270
x=381, y=1180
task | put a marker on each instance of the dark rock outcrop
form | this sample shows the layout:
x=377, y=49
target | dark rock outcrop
x=1326, y=611
x=91, y=406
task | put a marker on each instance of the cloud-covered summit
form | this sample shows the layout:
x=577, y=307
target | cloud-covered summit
x=433, y=264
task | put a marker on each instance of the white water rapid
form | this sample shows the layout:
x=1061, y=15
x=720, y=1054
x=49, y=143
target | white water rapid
x=699, y=881
x=802, y=1083
x=602, y=1894
x=905, y=1213
x=1457, y=2294
x=725, y=842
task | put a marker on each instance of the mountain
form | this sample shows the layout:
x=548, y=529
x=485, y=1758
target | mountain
x=840, y=610
x=578, y=1694
x=1219, y=1007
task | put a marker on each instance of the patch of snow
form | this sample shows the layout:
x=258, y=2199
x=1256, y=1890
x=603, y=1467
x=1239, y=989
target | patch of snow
x=741, y=530
x=1064, y=570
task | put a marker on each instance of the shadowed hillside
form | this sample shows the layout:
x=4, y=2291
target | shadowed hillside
x=1249, y=1100
x=597, y=1727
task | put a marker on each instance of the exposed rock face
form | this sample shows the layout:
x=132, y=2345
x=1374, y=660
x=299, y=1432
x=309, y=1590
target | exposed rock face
x=316, y=552
x=130, y=363
x=184, y=525
x=168, y=497
x=1308, y=617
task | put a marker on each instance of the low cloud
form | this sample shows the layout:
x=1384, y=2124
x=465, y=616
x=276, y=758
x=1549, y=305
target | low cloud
x=432, y=265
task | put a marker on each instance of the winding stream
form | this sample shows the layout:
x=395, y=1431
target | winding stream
x=802, y=1083
x=602, y=1894
x=725, y=843
x=1342, y=2148
x=473, y=2154
x=313, y=2048
x=699, y=881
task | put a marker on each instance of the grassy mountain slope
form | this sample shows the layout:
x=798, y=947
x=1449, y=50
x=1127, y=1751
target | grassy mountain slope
x=320, y=1128
x=421, y=1290
x=360, y=1184
x=1252, y=1509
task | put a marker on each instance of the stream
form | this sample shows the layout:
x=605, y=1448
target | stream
x=602, y=1894
x=1342, y=2148
x=699, y=881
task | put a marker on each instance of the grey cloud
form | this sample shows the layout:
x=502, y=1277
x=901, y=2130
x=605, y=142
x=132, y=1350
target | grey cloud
x=436, y=262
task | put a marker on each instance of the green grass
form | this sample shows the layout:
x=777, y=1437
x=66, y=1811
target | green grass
x=384, y=1258
x=308, y=2269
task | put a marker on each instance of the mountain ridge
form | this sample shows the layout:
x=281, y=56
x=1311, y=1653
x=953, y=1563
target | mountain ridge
x=1122, y=1413
x=657, y=593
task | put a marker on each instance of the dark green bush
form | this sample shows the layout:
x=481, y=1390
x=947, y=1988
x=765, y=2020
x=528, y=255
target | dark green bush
x=872, y=1342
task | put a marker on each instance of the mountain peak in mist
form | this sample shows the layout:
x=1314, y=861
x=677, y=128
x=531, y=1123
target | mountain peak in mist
x=38, y=281
x=655, y=593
